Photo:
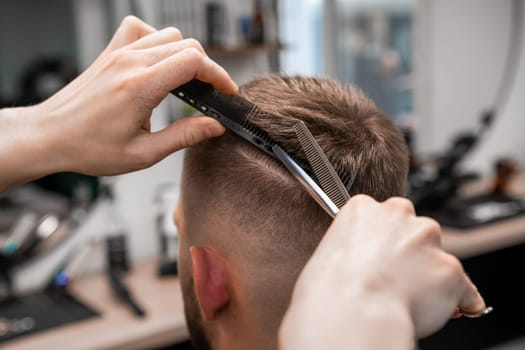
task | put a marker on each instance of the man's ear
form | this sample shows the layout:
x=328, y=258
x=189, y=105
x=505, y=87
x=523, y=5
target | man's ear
x=210, y=281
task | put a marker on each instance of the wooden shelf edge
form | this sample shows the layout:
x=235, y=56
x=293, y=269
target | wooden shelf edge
x=243, y=49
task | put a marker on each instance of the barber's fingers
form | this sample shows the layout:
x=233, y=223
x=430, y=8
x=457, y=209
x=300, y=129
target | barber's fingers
x=191, y=63
x=358, y=204
x=427, y=231
x=471, y=302
x=457, y=313
x=468, y=300
x=158, y=53
x=180, y=134
x=130, y=30
x=161, y=37
x=401, y=205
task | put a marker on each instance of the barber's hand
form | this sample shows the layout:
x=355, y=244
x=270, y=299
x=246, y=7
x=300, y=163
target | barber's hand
x=100, y=122
x=378, y=262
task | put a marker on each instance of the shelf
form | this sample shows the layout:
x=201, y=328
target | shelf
x=243, y=49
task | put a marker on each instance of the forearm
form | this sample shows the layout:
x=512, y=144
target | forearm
x=359, y=323
x=26, y=147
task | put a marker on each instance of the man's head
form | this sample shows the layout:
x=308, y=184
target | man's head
x=251, y=226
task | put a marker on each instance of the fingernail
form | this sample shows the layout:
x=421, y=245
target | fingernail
x=483, y=313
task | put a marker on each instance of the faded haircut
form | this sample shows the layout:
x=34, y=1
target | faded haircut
x=354, y=134
x=275, y=224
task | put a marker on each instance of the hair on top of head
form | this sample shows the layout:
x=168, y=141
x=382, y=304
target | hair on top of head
x=352, y=132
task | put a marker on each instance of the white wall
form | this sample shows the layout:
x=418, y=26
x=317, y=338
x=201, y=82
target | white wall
x=460, y=50
x=302, y=32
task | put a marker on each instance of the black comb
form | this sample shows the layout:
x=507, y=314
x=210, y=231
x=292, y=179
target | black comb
x=232, y=111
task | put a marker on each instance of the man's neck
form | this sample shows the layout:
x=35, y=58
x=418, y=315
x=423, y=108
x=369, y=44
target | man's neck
x=239, y=331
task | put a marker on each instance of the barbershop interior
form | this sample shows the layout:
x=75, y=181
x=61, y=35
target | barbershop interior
x=91, y=261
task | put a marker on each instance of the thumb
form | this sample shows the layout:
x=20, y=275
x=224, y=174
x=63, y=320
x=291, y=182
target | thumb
x=183, y=133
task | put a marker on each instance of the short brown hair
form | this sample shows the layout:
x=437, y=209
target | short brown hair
x=355, y=135
x=275, y=224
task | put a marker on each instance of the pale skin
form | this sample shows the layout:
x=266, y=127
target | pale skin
x=99, y=124
x=379, y=269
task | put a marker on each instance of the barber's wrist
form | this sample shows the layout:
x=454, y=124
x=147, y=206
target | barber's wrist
x=358, y=319
x=378, y=308
x=55, y=143
x=385, y=320
x=29, y=148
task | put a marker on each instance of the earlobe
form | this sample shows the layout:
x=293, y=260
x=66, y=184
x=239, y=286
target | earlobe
x=210, y=281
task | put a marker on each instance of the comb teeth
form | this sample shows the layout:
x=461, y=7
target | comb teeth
x=233, y=112
x=328, y=179
x=259, y=114
x=254, y=111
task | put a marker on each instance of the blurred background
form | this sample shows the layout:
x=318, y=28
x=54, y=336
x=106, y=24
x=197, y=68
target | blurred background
x=450, y=74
